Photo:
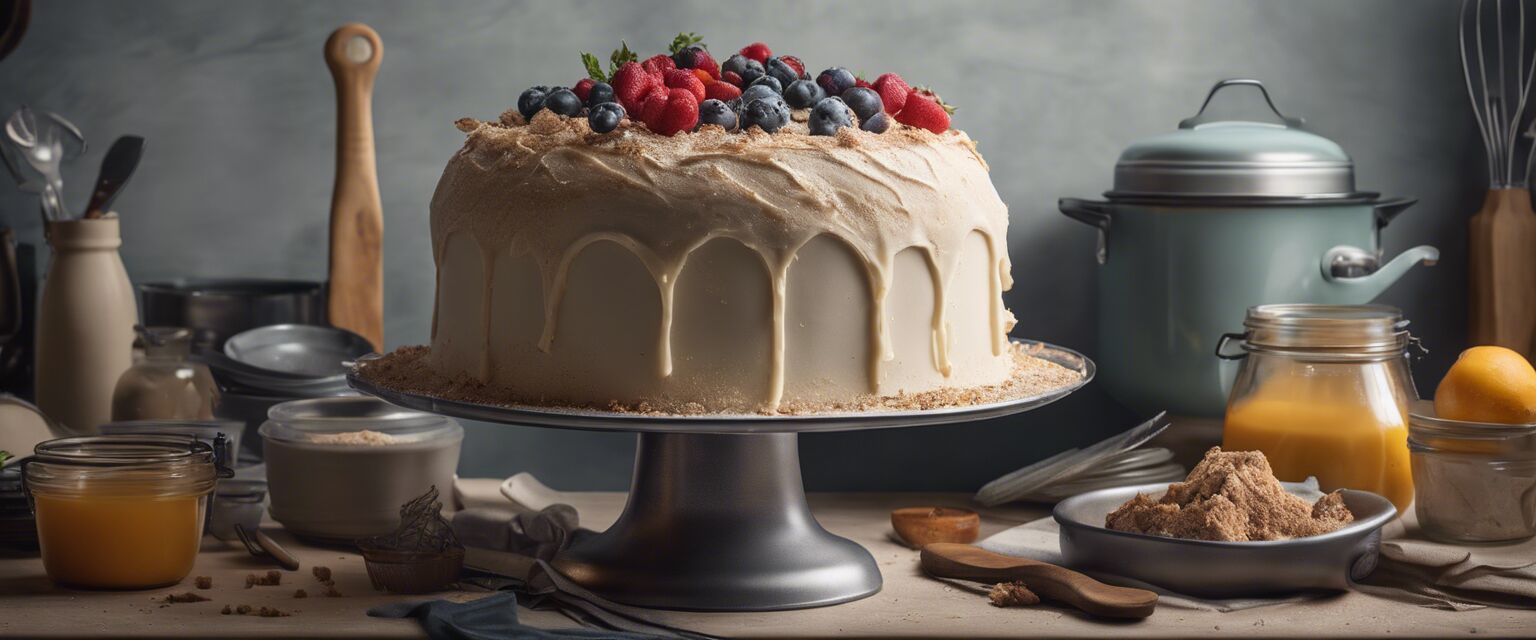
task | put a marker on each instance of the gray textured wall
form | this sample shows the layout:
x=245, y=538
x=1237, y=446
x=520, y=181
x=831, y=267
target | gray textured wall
x=237, y=106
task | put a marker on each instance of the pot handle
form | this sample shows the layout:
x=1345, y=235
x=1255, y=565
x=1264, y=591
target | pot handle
x=1388, y=209
x=1094, y=214
x=1196, y=120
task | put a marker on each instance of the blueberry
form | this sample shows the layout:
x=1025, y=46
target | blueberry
x=605, y=117
x=876, y=124
x=531, y=101
x=828, y=116
x=752, y=71
x=770, y=113
x=756, y=92
x=781, y=71
x=770, y=81
x=803, y=94
x=736, y=63
x=563, y=102
x=717, y=112
x=601, y=92
x=836, y=80
x=864, y=102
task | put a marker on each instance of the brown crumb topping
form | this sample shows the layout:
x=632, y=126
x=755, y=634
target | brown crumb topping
x=203, y=582
x=270, y=579
x=300, y=594
x=1230, y=496
x=176, y=598
x=1012, y=594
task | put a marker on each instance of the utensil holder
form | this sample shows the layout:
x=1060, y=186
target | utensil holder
x=1502, y=264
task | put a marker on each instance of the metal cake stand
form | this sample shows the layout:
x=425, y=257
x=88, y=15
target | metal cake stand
x=716, y=518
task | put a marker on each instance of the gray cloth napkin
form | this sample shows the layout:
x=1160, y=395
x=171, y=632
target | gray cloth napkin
x=537, y=534
x=490, y=618
x=1453, y=577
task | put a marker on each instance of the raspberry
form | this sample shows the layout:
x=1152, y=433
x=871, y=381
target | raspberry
x=684, y=79
x=923, y=112
x=658, y=63
x=703, y=61
x=860, y=82
x=631, y=83
x=757, y=51
x=796, y=64
x=671, y=113
x=731, y=77
x=893, y=91
x=583, y=88
x=703, y=76
x=722, y=91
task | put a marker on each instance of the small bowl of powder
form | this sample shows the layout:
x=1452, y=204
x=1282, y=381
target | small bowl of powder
x=1229, y=530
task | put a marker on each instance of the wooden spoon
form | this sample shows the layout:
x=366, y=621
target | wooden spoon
x=919, y=526
x=967, y=562
x=356, y=295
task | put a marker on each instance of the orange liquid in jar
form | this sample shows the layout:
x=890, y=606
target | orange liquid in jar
x=1326, y=427
x=119, y=540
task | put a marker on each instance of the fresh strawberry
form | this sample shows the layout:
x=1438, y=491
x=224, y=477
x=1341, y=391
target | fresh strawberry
x=583, y=88
x=794, y=63
x=631, y=83
x=684, y=79
x=704, y=76
x=658, y=63
x=893, y=92
x=722, y=91
x=697, y=58
x=757, y=51
x=923, y=112
x=655, y=102
x=730, y=77
x=675, y=112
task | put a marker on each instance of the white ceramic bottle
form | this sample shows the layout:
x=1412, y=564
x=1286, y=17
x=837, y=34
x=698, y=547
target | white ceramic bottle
x=84, y=324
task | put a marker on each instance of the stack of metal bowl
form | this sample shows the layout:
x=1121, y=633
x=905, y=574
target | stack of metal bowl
x=265, y=366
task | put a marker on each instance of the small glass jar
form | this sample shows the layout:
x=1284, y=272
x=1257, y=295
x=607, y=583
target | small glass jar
x=1476, y=481
x=1323, y=391
x=120, y=512
x=165, y=384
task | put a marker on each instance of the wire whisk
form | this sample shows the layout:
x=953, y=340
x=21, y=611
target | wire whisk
x=1489, y=52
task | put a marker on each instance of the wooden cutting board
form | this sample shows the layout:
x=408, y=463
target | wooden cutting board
x=356, y=291
x=1502, y=264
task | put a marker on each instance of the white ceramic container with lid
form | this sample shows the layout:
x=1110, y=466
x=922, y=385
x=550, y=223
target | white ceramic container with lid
x=338, y=469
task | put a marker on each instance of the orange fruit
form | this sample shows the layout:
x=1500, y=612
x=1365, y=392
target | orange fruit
x=1488, y=384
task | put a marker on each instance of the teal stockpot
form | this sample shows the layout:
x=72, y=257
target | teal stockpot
x=1209, y=220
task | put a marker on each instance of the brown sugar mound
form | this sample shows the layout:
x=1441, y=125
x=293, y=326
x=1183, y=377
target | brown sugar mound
x=1230, y=496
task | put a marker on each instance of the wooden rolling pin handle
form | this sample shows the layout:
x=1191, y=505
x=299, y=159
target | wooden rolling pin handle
x=968, y=562
x=356, y=293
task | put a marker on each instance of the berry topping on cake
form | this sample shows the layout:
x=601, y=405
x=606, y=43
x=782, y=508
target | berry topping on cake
x=686, y=88
x=605, y=117
x=757, y=51
x=835, y=80
x=803, y=94
x=893, y=91
x=828, y=116
x=768, y=113
x=719, y=113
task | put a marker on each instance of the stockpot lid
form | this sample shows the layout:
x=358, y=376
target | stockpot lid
x=1239, y=160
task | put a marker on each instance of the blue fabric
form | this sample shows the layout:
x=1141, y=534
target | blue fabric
x=490, y=618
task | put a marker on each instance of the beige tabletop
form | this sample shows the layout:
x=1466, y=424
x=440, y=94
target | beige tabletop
x=910, y=605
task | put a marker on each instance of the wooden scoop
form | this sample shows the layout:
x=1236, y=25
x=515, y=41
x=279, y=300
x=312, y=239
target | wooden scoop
x=356, y=295
x=968, y=562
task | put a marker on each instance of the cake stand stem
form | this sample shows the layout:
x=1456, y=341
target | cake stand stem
x=719, y=522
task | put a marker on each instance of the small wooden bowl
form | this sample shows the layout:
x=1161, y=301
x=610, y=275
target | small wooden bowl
x=918, y=526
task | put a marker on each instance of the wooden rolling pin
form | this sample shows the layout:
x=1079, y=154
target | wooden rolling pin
x=1502, y=263
x=968, y=562
x=356, y=293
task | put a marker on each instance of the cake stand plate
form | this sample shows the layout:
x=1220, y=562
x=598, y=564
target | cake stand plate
x=716, y=518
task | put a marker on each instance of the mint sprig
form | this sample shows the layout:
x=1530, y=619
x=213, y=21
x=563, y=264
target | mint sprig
x=685, y=40
x=620, y=56
x=616, y=59
x=594, y=68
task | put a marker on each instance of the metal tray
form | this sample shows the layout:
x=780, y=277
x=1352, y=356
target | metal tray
x=1209, y=569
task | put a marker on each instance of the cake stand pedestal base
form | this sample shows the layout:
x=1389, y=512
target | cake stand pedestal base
x=719, y=522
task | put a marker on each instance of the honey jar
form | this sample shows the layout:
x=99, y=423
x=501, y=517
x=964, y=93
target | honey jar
x=1323, y=391
x=121, y=512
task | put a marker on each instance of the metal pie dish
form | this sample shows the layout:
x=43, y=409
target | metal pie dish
x=1214, y=569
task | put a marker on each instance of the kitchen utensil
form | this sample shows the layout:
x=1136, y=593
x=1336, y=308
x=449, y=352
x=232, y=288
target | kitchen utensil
x=116, y=168
x=14, y=17
x=262, y=545
x=42, y=145
x=1103, y=462
x=1212, y=569
x=85, y=324
x=918, y=526
x=1211, y=219
x=302, y=350
x=967, y=562
x=356, y=302
x=1501, y=264
x=216, y=309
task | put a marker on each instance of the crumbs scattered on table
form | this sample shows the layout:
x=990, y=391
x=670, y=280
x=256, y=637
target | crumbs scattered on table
x=1012, y=594
x=272, y=579
x=248, y=610
x=301, y=594
x=176, y=598
x=203, y=582
x=322, y=573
